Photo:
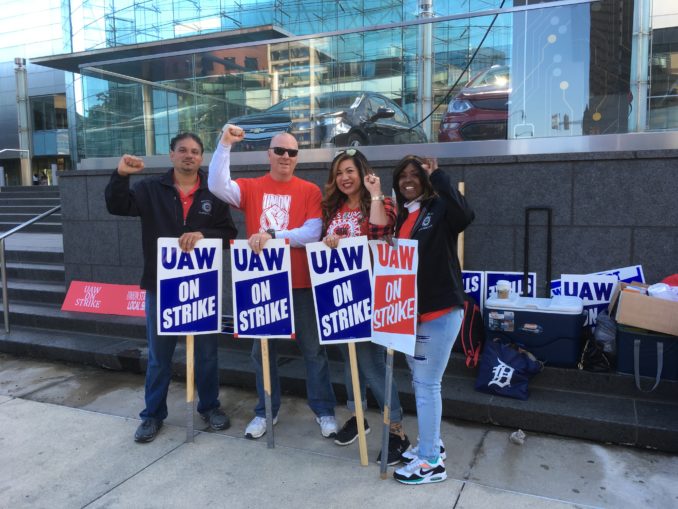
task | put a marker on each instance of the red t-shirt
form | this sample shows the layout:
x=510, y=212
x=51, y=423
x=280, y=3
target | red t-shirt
x=406, y=228
x=348, y=222
x=268, y=203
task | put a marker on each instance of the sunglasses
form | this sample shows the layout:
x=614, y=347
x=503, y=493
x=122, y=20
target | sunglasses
x=350, y=152
x=279, y=151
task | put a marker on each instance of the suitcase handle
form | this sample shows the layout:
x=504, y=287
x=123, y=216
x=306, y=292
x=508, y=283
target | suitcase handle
x=636, y=364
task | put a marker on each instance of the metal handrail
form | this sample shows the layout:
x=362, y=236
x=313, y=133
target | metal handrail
x=3, y=265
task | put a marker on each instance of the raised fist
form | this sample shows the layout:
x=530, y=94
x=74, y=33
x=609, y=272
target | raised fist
x=231, y=134
x=130, y=164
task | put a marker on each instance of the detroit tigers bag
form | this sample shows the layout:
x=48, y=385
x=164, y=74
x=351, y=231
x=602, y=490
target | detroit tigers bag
x=506, y=369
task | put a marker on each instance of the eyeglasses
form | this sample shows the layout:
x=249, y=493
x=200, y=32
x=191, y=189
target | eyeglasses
x=350, y=152
x=280, y=151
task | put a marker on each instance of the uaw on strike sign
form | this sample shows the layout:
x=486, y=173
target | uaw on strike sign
x=394, y=314
x=262, y=290
x=341, y=289
x=189, y=287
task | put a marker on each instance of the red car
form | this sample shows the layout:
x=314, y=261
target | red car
x=480, y=109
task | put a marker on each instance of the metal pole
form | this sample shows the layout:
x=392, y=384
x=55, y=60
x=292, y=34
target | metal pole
x=3, y=273
x=387, y=414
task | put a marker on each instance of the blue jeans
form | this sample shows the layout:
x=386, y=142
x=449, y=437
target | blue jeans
x=431, y=355
x=159, y=368
x=372, y=370
x=318, y=386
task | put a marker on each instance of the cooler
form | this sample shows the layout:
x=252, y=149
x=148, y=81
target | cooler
x=550, y=329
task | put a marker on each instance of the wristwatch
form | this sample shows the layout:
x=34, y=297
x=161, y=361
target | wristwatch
x=271, y=232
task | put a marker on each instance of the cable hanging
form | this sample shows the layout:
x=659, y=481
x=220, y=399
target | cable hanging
x=449, y=91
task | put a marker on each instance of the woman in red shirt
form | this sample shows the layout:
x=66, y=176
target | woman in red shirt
x=354, y=205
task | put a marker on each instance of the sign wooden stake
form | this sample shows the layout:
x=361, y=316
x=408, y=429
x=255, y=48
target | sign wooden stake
x=383, y=467
x=190, y=389
x=357, y=399
x=266, y=368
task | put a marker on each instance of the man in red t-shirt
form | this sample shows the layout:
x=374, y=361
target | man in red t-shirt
x=280, y=205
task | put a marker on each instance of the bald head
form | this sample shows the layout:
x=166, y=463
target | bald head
x=282, y=166
x=284, y=140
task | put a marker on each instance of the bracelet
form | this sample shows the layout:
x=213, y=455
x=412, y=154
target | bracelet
x=378, y=198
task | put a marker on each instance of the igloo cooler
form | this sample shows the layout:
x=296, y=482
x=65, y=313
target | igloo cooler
x=551, y=329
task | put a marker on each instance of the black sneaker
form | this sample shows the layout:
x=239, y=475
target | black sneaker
x=396, y=447
x=147, y=430
x=217, y=419
x=349, y=432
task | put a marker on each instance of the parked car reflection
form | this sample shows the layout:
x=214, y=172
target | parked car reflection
x=331, y=119
x=480, y=109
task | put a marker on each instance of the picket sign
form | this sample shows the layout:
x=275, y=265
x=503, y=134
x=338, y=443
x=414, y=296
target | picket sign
x=516, y=281
x=189, y=300
x=394, y=315
x=262, y=303
x=594, y=290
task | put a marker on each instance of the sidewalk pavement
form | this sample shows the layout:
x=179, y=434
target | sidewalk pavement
x=66, y=436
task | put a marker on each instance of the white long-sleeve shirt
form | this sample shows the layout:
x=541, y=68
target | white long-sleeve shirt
x=223, y=187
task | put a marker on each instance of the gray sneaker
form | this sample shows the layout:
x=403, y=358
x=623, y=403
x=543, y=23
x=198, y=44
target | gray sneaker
x=257, y=427
x=328, y=426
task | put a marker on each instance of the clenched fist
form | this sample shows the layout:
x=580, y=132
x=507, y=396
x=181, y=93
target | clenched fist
x=231, y=134
x=130, y=164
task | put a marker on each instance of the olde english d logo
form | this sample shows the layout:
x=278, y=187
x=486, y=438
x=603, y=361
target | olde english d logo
x=501, y=375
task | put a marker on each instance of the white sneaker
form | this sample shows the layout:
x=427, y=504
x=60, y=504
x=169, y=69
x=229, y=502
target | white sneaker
x=257, y=427
x=420, y=471
x=328, y=426
x=411, y=454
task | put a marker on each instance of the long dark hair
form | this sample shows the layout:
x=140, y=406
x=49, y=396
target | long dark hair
x=334, y=198
x=427, y=189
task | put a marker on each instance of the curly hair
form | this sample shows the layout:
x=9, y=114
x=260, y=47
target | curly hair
x=333, y=197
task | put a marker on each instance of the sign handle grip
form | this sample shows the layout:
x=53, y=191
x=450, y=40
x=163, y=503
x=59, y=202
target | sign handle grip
x=357, y=399
x=387, y=414
x=266, y=368
x=190, y=389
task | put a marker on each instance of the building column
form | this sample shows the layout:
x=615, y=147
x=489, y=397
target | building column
x=425, y=85
x=640, y=64
x=23, y=118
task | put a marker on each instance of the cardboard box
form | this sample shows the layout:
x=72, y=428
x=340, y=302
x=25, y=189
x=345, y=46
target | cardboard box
x=630, y=305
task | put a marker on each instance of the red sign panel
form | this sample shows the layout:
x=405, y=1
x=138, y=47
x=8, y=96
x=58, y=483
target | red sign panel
x=105, y=298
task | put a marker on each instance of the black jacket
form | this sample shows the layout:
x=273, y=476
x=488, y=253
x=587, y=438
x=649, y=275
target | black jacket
x=156, y=201
x=441, y=219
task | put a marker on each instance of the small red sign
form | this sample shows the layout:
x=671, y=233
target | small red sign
x=395, y=304
x=105, y=298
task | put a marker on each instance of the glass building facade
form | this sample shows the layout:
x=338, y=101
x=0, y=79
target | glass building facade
x=365, y=71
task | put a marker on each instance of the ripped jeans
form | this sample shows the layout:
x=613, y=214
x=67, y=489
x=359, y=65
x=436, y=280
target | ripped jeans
x=431, y=355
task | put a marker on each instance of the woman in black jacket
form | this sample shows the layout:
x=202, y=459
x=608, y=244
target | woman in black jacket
x=433, y=212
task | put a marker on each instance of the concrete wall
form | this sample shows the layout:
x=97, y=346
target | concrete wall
x=609, y=210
